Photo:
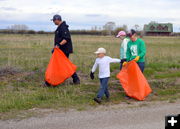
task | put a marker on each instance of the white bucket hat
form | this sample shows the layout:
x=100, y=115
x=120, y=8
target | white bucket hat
x=100, y=50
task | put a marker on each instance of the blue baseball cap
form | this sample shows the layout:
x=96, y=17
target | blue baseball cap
x=56, y=17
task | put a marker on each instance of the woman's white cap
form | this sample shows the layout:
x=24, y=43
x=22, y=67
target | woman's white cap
x=100, y=50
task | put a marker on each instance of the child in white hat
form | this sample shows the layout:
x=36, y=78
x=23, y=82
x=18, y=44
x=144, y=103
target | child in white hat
x=103, y=62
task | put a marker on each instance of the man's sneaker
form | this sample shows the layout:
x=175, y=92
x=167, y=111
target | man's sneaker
x=127, y=97
x=46, y=84
x=97, y=100
x=77, y=82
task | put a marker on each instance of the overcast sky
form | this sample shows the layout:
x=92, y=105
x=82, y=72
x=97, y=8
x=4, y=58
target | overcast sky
x=83, y=14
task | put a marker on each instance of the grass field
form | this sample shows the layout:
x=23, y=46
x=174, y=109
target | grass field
x=24, y=58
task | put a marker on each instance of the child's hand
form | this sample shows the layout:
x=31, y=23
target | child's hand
x=92, y=75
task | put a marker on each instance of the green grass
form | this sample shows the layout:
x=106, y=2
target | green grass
x=167, y=75
x=24, y=59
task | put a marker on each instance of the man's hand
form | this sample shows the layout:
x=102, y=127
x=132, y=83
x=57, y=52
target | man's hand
x=63, y=42
x=56, y=46
x=137, y=58
x=125, y=63
x=92, y=75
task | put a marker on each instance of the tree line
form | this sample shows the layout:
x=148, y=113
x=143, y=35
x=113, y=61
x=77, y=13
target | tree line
x=109, y=28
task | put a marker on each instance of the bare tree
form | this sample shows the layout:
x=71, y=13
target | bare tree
x=17, y=27
x=125, y=27
x=136, y=27
x=94, y=28
x=109, y=27
x=121, y=28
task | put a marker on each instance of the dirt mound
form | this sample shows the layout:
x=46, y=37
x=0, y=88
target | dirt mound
x=9, y=71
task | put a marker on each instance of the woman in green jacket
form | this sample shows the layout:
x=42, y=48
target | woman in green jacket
x=136, y=50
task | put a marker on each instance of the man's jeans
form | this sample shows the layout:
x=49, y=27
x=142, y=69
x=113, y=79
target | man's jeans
x=141, y=66
x=74, y=76
x=103, y=88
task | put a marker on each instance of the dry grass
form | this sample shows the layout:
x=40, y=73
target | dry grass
x=24, y=59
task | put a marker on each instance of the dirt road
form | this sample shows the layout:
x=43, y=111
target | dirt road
x=149, y=116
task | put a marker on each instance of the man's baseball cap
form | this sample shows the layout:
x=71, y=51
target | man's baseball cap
x=131, y=33
x=56, y=17
x=100, y=50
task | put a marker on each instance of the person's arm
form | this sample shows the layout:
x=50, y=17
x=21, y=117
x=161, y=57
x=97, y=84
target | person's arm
x=114, y=60
x=94, y=67
x=142, y=49
x=122, y=50
x=128, y=53
x=125, y=47
x=64, y=41
x=65, y=35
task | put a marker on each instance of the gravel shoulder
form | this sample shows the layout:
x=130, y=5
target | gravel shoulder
x=139, y=116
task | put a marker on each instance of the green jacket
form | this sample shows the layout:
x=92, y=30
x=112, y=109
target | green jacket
x=137, y=48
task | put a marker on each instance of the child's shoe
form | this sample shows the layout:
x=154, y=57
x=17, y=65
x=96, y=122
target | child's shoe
x=98, y=100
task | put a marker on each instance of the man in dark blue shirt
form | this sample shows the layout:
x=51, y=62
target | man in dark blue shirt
x=62, y=37
x=63, y=41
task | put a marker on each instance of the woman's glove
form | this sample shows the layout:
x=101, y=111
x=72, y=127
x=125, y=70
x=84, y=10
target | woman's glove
x=124, y=63
x=137, y=58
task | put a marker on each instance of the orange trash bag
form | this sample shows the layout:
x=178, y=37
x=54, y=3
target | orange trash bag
x=59, y=68
x=133, y=81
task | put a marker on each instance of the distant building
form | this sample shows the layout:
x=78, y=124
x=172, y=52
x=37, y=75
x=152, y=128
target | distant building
x=158, y=29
